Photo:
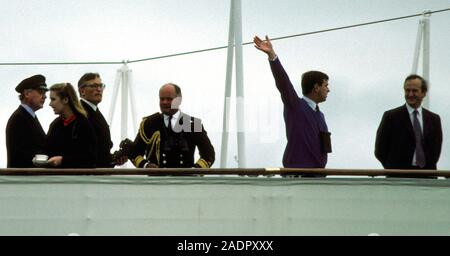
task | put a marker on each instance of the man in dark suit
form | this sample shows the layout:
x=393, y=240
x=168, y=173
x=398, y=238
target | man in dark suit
x=410, y=136
x=169, y=139
x=24, y=134
x=90, y=87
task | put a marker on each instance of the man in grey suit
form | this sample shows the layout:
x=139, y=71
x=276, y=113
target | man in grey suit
x=410, y=136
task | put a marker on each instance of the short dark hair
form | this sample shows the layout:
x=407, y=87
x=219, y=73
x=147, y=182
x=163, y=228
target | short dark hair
x=310, y=78
x=414, y=76
x=87, y=77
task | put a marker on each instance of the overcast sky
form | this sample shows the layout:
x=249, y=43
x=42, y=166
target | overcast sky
x=366, y=65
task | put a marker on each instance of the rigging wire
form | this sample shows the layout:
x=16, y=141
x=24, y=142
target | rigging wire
x=426, y=13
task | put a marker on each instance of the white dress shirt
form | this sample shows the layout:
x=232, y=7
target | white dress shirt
x=174, y=121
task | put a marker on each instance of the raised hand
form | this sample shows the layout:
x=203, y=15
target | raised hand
x=264, y=46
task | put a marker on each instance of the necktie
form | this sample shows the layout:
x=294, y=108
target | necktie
x=317, y=108
x=169, y=126
x=420, y=154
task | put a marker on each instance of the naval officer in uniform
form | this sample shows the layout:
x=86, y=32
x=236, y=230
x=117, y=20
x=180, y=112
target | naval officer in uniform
x=169, y=139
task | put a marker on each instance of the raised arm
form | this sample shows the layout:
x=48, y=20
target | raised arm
x=288, y=94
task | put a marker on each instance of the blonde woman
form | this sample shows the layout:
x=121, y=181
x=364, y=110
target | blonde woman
x=71, y=141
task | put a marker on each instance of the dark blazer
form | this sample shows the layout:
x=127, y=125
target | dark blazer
x=395, y=142
x=151, y=144
x=76, y=143
x=24, y=138
x=101, y=129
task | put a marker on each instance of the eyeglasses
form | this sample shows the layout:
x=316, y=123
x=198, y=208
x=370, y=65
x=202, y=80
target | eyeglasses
x=96, y=86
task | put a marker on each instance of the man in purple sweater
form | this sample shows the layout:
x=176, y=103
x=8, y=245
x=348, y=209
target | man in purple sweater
x=308, y=139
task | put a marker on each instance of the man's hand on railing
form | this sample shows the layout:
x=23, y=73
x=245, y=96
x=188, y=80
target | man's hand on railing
x=55, y=161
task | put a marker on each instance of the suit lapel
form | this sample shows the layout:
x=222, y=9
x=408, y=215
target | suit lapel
x=101, y=117
x=180, y=122
x=407, y=120
x=185, y=123
x=426, y=122
x=88, y=108
x=33, y=120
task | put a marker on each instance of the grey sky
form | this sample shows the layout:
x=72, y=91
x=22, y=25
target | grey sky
x=367, y=65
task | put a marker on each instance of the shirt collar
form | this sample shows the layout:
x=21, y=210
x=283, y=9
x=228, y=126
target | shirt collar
x=411, y=109
x=310, y=102
x=28, y=109
x=174, y=116
x=93, y=106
